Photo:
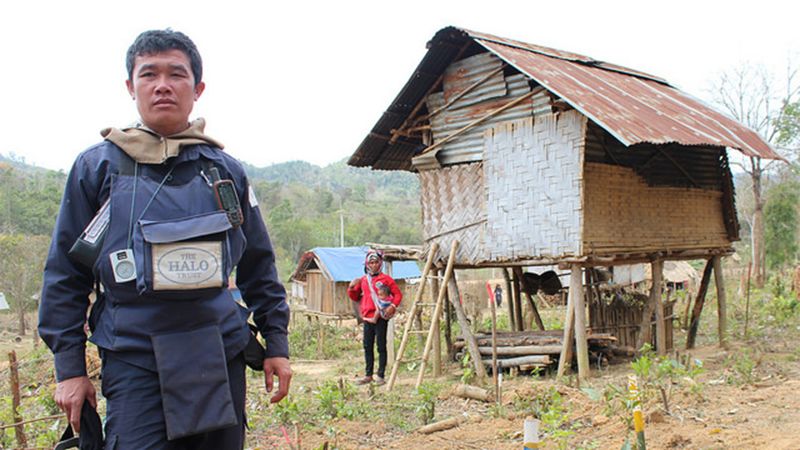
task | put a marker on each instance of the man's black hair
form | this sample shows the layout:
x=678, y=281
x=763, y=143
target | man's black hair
x=158, y=41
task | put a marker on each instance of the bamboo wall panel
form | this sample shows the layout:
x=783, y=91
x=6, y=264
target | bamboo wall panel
x=453, y=208
x=624, y=214
x=532, y=169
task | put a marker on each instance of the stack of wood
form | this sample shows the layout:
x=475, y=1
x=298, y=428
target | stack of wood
x=532, y=349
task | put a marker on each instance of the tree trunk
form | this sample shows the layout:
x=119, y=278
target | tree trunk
x=759, y=256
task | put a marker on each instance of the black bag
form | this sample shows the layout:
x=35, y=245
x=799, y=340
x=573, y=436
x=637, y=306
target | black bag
x=91, y=437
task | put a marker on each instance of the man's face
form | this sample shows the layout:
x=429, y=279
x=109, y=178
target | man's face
x=374, y=265
x=163, y=86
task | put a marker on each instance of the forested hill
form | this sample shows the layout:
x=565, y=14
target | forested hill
x=303, y=204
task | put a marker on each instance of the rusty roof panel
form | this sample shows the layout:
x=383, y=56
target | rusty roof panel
x=631, y=108
x=460, y=75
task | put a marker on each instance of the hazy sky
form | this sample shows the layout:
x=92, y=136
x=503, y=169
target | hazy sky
x=308, y=80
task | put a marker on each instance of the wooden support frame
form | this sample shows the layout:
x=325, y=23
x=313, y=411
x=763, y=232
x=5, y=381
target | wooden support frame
x=694, y=323
x=721, y=301
x=469, y=338
x=536, y=317
x=512, y=315
x=575, y=324
x=581, y=344
x=437, y=312
x=654, y=304
x=411, y=315
x=518, y=302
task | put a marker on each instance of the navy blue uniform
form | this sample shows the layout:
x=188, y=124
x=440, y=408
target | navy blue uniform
x=182, y=337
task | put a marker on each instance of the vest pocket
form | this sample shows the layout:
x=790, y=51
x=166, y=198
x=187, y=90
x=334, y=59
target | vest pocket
x=179, y=255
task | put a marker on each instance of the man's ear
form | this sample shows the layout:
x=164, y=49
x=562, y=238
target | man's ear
x=129, y=85
x=198, y=90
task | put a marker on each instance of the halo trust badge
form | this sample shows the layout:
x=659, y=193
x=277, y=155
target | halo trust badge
x=190, y=265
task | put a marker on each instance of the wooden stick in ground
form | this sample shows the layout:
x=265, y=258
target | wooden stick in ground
x=448, y=274
x=566, y=342
x=19, y=430
x=694, y=324
x=656, y=269
x=472, y=345
x=495, y=375
x=411, y=315
x=536, y=317
x=581, y=344
x=747, y=299
x=721, y=302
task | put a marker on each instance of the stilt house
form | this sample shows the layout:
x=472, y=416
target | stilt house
x=529, y=155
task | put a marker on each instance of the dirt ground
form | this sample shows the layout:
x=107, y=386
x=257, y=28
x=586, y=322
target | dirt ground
x=761, y=415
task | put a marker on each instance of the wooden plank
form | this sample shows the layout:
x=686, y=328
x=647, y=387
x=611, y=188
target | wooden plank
x=698, y=305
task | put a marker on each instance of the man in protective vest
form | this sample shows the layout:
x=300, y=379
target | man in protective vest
x=155, y=219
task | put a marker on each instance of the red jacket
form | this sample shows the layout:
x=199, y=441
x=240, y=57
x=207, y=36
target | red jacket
x=362, y=293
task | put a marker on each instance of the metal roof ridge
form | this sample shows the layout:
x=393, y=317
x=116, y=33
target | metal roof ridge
x=560, y=54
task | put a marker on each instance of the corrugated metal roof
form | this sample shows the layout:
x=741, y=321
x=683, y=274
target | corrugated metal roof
x=632, y=106
x=633, y=109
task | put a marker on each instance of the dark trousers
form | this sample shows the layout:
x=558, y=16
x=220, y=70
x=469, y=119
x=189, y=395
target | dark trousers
x=135, y=416
x=371, y=332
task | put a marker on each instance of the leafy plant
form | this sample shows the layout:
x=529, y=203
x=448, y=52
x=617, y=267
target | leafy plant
x=426, y=402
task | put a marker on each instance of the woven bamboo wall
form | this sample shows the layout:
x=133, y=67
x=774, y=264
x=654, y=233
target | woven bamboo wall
x=532, y=169
x=453, y=208
x=624, y=214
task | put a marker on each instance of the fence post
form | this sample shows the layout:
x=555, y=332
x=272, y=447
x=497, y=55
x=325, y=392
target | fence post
x=19, y=430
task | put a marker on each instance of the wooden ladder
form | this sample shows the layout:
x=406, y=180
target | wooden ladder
x=416, y=307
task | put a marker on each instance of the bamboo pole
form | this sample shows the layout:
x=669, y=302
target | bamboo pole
x=448, y=273
x=437, y=336
x=411, y=314
x=722, y=314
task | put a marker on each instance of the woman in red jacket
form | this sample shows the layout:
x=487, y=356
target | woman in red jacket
x=365, y=290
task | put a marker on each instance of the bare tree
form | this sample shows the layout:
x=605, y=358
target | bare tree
x=750, y=94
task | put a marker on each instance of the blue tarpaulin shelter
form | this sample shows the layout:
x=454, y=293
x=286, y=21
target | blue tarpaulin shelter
x=325, y=272
x=346, y=263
